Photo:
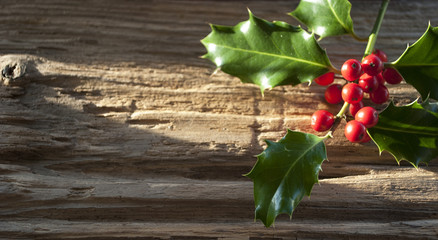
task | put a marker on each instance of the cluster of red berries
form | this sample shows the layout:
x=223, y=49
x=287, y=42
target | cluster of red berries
x=368, y=76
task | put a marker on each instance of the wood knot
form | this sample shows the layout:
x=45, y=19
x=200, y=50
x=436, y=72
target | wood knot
x=15, y=67
x=11, y=72
x=8, y=71
x=80, y=192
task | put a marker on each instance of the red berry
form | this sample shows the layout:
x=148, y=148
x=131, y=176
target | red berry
x=355, y=107
x=372, y=65
x=322, y=120
x=333, y=94
x=366, y=138
x=381, y=54
x=325, y=79
x=355, y=131
x=352, y=93
x=351, y=69
x=391, y=76
x=368, y=83
x=368, y=116
x=380, y=95
x=380, y=78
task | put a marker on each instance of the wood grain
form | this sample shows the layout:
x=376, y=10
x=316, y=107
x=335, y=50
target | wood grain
x=112, y=127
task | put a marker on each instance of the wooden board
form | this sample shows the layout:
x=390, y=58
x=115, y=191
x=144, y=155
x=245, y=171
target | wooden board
x=112, y=127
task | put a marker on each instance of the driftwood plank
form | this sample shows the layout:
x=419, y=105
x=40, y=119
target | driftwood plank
x=112, y=127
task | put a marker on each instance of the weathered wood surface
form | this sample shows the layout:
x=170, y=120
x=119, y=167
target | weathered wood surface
x=117, y=130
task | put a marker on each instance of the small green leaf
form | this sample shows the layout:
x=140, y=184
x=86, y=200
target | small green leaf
x=267, y=54
x=419, y=64
x=325, y=17
x=409, y=132
x=284, y=173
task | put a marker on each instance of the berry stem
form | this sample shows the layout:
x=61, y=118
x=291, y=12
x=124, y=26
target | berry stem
x=338, y=119
x=358, y=38
x=373, y=36
x=343, y=110
x=335, y=70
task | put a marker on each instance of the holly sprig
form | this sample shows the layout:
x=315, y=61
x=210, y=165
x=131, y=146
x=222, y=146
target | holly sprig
x=271, y=54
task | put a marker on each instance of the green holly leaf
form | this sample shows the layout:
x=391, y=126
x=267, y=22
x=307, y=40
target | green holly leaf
x=266, y=53
x=409, y=132
x=325, y=17
x=285, y=172
x=419, y=64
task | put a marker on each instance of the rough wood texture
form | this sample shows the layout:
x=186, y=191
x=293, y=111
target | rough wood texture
x=111, y=127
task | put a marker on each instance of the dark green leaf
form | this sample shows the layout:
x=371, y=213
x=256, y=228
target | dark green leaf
x=267, y=54
x=325, y=17
x=409, y=132
x=284, y=173
x=419, y=64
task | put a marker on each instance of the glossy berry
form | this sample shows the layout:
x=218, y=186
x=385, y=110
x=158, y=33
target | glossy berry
x=372, y=65
x=325, y=79
x=380, y=95
x=368, y=83
x=352, y=93
x=355, y=131
x=351, y=69
x=333, y=94
x=381, y=54
x=368, y=116
x=391, y=76
x=355, y=107
x=380, y=79
x=322, y=120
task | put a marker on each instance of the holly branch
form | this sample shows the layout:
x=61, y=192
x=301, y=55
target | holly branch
x=271, y=54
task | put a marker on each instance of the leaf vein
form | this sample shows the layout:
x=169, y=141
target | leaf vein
x=336, y=15
x=299, y=158
x=274, y=55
